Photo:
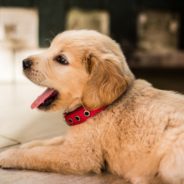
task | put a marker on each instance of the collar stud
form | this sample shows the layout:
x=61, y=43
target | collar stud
x=70, y=120
x=86, y=113
x=77, y=118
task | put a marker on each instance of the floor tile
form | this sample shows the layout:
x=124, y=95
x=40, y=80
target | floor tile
x=5, y=141
x=30, y=177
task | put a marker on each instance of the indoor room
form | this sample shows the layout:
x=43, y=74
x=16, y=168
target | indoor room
x=150, y=34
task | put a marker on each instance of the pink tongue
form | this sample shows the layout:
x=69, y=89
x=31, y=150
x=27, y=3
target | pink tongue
x=40, y=99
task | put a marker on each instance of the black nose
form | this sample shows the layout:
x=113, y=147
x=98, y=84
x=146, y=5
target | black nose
x=26, y=63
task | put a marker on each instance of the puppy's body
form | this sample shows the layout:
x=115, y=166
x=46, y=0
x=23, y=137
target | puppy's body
x=136, y=135
x=140, y=134
x=145, y=126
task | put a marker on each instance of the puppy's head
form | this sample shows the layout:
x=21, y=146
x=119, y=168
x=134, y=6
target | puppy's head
x=79, y=68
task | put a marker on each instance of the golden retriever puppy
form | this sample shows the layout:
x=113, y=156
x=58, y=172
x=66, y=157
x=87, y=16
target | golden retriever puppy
x=137, y=131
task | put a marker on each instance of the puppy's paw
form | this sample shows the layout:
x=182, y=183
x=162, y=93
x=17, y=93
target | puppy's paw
x=8, y=158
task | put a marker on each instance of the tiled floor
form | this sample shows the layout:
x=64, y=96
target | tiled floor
x=30, y=177
x=6, y=142
x=18, y=123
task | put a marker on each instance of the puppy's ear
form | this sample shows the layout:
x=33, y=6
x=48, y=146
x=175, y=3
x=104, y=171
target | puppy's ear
x=106, y=83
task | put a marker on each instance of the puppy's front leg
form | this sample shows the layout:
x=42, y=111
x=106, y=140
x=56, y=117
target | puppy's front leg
x=67, y=158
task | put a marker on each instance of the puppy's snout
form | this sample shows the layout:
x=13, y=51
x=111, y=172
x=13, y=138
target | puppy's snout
x=27, y=63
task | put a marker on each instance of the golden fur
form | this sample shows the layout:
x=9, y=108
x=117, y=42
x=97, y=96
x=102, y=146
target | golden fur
x=140, y=136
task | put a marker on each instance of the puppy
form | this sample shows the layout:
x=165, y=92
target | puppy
x=131, y=129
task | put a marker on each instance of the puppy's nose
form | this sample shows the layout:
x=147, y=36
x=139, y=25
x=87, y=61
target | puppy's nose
x=27, y=63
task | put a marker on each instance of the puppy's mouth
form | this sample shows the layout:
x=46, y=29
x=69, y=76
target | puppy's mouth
x=46, y=99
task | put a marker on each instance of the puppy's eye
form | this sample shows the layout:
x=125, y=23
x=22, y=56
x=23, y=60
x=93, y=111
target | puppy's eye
x=61, y=59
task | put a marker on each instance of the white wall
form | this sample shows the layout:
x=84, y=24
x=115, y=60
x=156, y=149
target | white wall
x=11, y=64
x=6, y=66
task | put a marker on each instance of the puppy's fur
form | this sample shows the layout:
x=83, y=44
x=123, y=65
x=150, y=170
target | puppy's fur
x=140, y=136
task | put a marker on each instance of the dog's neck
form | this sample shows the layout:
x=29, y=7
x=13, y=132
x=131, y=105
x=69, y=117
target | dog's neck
x=76, y=113
x=74, y=104
x=80, y=115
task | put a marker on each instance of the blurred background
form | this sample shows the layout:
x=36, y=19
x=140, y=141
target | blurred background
x=151, y=34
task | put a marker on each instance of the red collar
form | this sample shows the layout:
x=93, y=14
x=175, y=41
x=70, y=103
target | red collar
x=80, y=115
